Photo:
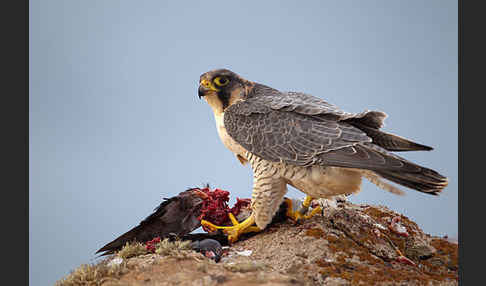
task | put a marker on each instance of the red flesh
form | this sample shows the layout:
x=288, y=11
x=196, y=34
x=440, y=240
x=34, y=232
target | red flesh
x=215, y=207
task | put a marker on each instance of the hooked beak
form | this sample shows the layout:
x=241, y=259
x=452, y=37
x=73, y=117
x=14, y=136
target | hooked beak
x=201, y=91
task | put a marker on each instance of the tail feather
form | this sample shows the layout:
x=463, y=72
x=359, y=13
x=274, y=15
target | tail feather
x=425, y=180
x=392, y=142
x=372, y=121
x=135, y=234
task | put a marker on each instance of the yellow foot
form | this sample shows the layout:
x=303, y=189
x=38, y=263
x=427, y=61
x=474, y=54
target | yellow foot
x=234, y=232
x=298, y=213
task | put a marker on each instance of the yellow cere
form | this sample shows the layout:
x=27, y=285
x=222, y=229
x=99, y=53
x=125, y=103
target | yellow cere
x=207, y=84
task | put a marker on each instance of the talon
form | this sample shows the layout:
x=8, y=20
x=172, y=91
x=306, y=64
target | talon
x=314, y=212
x=307, y=201
x=300, y=213
x=234, y=232
x=209, y=225
x=234, y=221
x=252, y=229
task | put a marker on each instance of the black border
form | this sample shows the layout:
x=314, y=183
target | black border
x=471, y=50
x=15, y=115
x=460, y=137
x=15, y=139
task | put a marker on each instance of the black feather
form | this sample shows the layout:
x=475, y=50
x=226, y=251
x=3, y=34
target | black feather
x=176, y=215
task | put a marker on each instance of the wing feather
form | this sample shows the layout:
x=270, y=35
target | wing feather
x=300, y=129
x=303, y=130
x=292, y=137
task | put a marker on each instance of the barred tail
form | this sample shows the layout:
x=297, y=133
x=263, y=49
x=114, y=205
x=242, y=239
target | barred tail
x=424, y=180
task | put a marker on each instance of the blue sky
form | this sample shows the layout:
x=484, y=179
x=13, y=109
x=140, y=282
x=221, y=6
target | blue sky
x=116, y=125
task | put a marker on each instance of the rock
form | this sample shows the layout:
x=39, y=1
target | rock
x=347, y=245
x=244, y=266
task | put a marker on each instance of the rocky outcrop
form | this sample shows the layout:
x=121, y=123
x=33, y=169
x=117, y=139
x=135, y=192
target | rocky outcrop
x=347, y=245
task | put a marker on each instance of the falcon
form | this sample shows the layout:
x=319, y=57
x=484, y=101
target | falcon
x=293, y=138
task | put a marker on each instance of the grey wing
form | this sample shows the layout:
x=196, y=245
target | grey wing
x=307, y=104
x=292, y=136
x=369, y=122
x=266, y=97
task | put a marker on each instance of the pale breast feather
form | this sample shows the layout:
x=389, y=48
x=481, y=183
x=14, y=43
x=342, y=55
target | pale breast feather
x=227, y=140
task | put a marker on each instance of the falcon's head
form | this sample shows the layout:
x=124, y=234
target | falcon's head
x=222, y=88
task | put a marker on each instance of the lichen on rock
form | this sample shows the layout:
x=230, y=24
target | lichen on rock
x=348, y=244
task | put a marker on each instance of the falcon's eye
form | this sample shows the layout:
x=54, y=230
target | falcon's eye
x=221, y=81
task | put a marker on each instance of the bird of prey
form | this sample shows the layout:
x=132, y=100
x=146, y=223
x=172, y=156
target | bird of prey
x=293, y=138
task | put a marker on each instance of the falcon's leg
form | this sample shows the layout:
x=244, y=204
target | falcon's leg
x=268, y=193
x=300, y=213
x=237, y=229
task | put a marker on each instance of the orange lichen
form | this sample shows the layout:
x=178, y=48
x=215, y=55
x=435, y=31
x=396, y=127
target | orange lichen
x=445, y=261
x=314, y=232
x=447, y=250
x=373, y=270
x=340, y=243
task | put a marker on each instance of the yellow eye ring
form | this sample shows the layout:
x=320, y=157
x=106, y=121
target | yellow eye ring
x=221, y=81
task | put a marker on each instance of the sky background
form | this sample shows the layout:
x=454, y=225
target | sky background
x=116, y=125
